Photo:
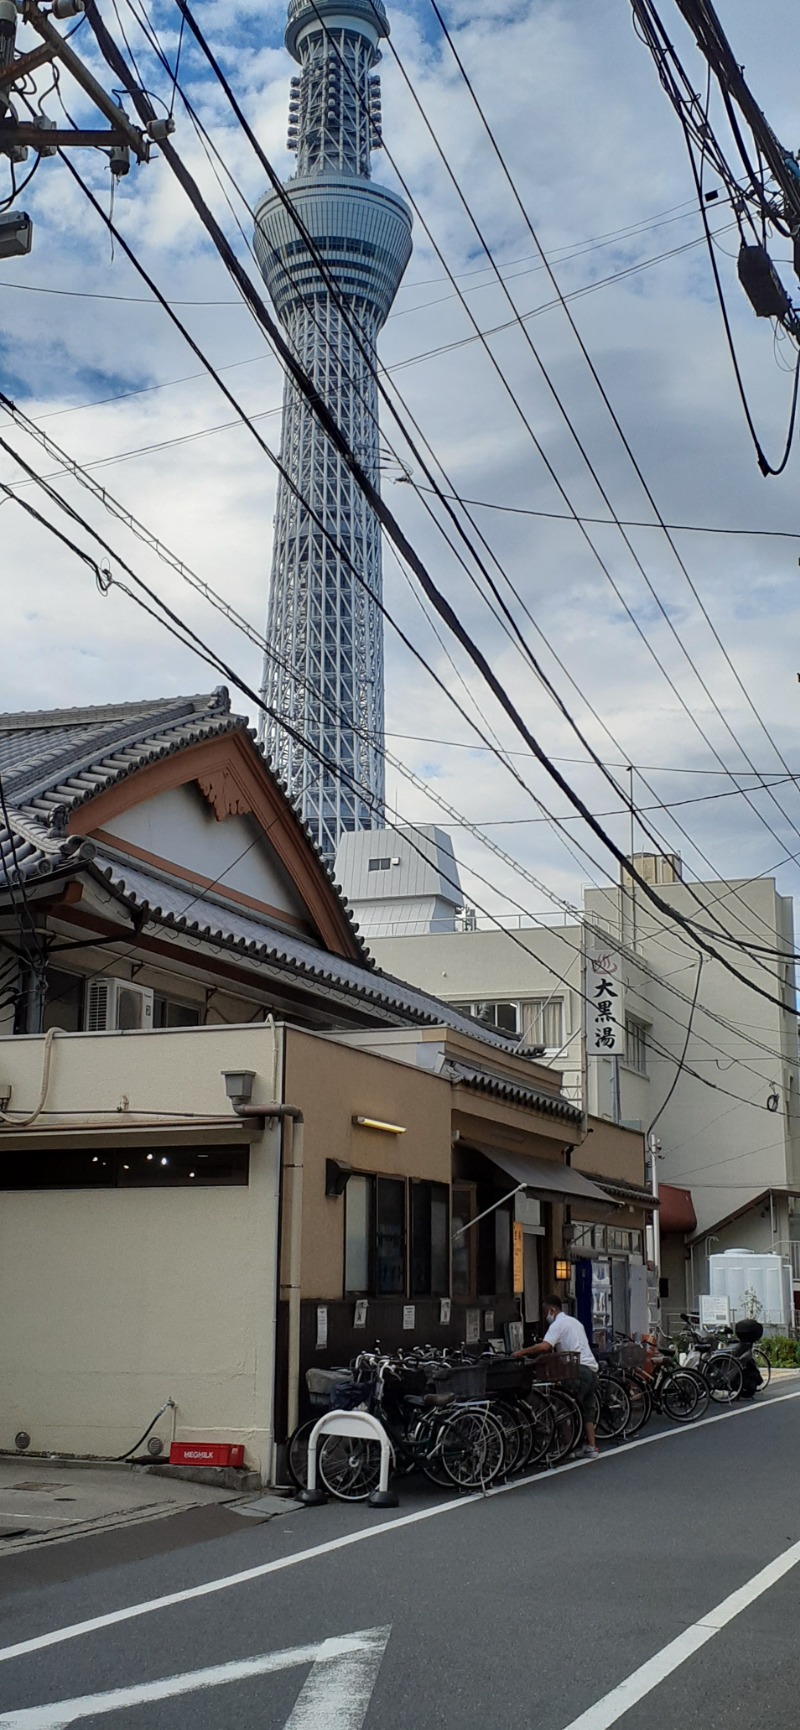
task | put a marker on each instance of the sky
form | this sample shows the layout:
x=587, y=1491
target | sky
x=598, y=160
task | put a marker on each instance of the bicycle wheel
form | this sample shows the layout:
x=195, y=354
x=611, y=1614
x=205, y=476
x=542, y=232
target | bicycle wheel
x=613, y=1407
x=641, y=1404
x=472, y=1447
x=762, y=1364
x=567, y=1425
x=349, y=1467
x=724, y=1377
x=297, y=1454
x=541, y=1424
x=426, y=1443
x=682, y=1397
x=517, y=1436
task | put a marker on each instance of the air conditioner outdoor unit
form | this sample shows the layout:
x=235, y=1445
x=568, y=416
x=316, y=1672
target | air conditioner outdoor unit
x=118, y=1005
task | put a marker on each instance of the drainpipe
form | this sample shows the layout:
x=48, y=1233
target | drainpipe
x=292, y=1152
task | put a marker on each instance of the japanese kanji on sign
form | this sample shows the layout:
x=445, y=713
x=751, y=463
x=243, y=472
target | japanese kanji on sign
x=605, y=999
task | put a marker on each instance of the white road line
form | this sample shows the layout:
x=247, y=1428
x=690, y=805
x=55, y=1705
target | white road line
x=355, y=1658
x=642, y=1681
x=337, y=1696
x=76, y=1629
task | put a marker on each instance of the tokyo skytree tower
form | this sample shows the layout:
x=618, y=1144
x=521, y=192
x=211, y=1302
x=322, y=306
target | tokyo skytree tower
x=324, y=624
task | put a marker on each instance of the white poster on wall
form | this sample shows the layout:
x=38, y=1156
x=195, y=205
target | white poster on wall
x=605, y=998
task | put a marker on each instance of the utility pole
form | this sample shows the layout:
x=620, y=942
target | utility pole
x=119, y=139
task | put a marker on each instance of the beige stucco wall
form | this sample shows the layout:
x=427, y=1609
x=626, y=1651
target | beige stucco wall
x=333, y=1083
x=725, y=1147
x=112, y=1300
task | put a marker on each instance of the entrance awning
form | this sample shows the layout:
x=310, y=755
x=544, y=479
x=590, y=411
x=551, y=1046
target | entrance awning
x=546, y=1177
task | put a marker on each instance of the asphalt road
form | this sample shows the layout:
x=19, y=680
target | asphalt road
x=658, y=1587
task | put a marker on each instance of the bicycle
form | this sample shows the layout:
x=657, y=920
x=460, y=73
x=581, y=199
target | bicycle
x=453, y=1442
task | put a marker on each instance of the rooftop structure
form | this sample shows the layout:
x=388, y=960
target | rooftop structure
x=400, y=882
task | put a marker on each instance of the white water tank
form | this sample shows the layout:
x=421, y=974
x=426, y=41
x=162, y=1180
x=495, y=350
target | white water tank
x=755, y=1285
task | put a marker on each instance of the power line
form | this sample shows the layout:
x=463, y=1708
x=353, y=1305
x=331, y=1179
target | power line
x=323, y=267
x=388, y=521
x=618, y=426
x=190, y=639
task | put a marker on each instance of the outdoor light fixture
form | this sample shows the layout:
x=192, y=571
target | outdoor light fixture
x=377, y=1123
x=336, y=1177
x=239, y=1085
x=563, y=1269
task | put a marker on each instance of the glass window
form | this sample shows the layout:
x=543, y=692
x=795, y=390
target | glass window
x=357, y=1234
x=123, y=1168
x=167, y=1012
x=543, y=1022
x=464, y=1244
x=635, y=1044
x=494, y=1246
x=64, y=1001
x=503, y=1015
x=390, y=1237
x=429, y=1240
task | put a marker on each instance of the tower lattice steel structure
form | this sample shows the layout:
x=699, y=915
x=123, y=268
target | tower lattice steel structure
x=324, y=623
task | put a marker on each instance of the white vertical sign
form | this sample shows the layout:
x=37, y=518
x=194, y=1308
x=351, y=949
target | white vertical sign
x=605, y=999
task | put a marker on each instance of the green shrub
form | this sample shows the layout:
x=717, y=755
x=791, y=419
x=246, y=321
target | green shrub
x=781, y=1351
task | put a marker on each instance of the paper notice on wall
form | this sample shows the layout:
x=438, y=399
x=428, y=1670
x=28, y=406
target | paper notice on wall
x=444, y=1312
x=488, y=1322
x=322, y=1327
x=409, y=1315
x=473, y=1327
x=604, y=991
x=360, y=1315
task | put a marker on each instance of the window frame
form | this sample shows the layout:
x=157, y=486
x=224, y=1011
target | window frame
x=636, y=1031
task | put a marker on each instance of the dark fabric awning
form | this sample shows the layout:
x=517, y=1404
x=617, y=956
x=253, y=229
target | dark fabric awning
x=546, y=1177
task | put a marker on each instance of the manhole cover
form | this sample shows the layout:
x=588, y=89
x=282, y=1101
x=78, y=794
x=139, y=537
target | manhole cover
x=36, y=1488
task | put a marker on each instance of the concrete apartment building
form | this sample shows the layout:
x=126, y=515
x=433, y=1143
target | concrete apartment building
x=728, y=1162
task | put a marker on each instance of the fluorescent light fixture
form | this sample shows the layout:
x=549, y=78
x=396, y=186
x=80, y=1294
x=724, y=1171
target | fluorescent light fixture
x=377, y=1123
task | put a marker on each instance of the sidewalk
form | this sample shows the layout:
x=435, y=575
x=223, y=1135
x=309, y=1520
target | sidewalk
x=43, y=1501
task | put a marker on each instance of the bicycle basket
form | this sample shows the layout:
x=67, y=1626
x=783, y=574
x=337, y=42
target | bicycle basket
x=508, y=1375
x=466, y=1381
x=556, y=1366
x=321, y=1384
x=630, y=1356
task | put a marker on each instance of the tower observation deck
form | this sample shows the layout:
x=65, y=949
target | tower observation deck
x=324, y=625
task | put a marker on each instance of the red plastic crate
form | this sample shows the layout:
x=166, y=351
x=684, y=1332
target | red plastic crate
x=206, y=1454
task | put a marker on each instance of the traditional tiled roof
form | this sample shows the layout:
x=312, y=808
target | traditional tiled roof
x=502, y=1087
x=205, y=918
x=53, y=761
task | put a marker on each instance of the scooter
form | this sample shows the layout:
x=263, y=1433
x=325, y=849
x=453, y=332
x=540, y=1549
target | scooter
x=727, y=1366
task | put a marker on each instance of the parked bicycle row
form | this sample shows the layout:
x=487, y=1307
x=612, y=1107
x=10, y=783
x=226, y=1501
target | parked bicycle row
x=469, y=1422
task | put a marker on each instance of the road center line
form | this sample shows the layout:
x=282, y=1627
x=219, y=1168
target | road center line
x=75, y=1630
x=642, y=1681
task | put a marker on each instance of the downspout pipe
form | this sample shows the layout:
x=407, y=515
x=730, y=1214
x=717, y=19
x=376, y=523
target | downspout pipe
x=292, y=1156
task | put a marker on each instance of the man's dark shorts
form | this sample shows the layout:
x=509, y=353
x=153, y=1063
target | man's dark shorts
x=585, y=1389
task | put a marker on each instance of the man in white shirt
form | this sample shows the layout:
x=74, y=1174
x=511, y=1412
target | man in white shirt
x=566, y=1334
